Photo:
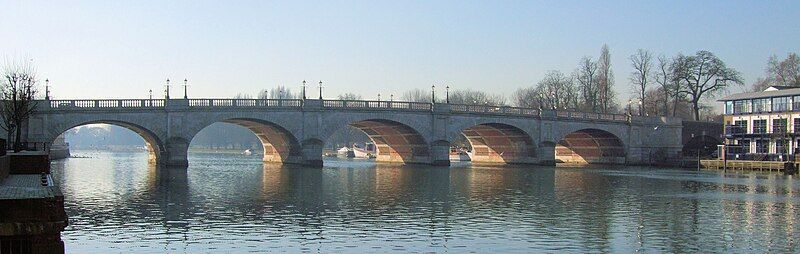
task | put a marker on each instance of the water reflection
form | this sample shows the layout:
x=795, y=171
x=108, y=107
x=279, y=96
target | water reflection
x=119, y=203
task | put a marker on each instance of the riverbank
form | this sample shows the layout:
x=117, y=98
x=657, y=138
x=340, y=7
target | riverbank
x=32, y=213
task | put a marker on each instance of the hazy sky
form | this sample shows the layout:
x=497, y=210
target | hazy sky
x=116, y=49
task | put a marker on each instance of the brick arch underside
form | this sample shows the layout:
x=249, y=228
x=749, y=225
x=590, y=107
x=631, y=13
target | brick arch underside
x=499, y=143
x=590, y=146
x=153, y=144
x=395, y=142
x=280, y=146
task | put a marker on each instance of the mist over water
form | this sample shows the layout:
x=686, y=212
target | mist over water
x=117, y=202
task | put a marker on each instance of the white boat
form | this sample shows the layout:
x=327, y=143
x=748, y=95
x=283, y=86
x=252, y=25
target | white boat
x=247, y=152
x=460, y=155
x=368, y=151
x=345, y=152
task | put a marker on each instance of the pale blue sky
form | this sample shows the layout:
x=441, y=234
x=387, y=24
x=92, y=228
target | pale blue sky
x=116, y=49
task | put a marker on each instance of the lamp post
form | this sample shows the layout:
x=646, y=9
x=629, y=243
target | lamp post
x=641, y=108
x=166, y=90
x=185, y=85
x=304, y=89
x=447, y=94
x=320, y=90
x=391, y=97
x=433, y=94
x=47, y=89
x=379, y=97
x=629, y=106
x=151, y=94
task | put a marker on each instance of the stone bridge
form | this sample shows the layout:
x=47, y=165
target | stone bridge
x=294, y=130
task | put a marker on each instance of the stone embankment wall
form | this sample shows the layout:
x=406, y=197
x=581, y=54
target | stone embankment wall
x=32, y=213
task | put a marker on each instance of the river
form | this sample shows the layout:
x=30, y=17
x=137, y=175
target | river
x=117, y=202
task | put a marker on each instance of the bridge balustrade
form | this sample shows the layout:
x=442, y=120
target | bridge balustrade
x=330, y=104
x=125, y=103
x=348, y=104
x=245, y=103
x=493, y=109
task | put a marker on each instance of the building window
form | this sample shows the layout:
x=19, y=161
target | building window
x=796, y=103
x=778, y=125
x=780, y=147
x=741, y=107
x=740, y=127
x=745, y=143
x=762, y=146
x=759, y=126
x=797, y=125
x=729, y=107
x=780, y=104
x=761, y=105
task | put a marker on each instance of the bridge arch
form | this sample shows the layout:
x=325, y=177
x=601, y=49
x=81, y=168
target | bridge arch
x=155, y=146
x=279, y=144
x=493, y=142
x=590, y=146
x=396, y=141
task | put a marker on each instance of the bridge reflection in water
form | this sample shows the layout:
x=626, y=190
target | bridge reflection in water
x=118, y=201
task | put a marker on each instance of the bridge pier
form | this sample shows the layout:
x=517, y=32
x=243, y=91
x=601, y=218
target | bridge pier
x=547, y=154
x=176, y=153
x=440, y=153
x=312, y=153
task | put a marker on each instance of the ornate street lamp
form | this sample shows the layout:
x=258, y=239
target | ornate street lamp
x=304, y=89
x=320, y=89
x=151, y=93
x=447, y=94
x=379, y=97
x=433, y=94
x=166, y=90
x=185, y=84
x=47, y=89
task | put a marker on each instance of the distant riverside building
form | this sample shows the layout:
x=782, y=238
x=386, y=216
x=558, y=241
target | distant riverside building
x=763, y=125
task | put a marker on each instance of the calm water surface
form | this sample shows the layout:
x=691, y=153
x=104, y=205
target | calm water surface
x=231, y=203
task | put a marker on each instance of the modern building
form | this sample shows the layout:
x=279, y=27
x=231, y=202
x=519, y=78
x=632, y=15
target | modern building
x=762, y=125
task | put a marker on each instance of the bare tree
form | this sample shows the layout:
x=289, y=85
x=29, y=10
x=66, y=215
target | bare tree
x=606, y=96
x=703, y=75
x=784, y=72
x=279, y=92
x=350, y=96
x=416, y=95
x=586, y=77
x=554, y=91
x=663, y=77
x=642, y=63
x=469, y=96
x=18, y=93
